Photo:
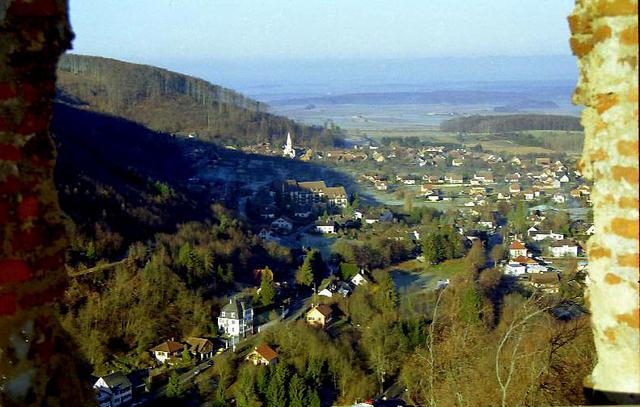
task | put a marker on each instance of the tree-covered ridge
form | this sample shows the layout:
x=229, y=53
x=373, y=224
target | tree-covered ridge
x=129, y=83
x=516, y=122
x=171, y=102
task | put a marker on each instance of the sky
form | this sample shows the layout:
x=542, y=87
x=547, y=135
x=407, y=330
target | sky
x=219, y=38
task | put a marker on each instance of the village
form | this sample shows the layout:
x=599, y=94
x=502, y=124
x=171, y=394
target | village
x=530, y=214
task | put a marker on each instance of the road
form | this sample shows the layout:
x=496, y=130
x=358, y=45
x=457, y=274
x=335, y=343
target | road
x=186, y=379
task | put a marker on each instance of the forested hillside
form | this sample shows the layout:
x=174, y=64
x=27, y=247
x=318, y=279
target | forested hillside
x=171, y=102
x=517, y=122
x=118, y=181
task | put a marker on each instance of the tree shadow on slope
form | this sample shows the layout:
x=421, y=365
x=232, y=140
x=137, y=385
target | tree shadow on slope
x=117, y=176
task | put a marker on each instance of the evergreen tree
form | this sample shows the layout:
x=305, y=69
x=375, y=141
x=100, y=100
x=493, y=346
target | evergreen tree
x=476, y=258
x=187, y=359
x=184, y=256
x=386, y=296
x=317, y=264
x=433, y=248
x=276, y=393
x=262, y=380
x=245, y=390
x=267, y=291
x=314, y=398
x=174, y=387
x=297, y=392
x=355, y=202
x=470, y=304
x=304, y=275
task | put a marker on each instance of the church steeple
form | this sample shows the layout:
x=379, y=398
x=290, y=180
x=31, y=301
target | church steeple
x=288, y=150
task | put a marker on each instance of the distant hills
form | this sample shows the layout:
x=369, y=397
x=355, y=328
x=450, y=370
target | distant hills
x=171, y=102
x=510, y=123
x=453, y=97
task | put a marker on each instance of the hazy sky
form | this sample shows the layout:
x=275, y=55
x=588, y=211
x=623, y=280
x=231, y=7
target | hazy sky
x=153, y=30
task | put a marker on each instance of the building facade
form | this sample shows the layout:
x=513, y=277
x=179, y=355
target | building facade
x=236, y=318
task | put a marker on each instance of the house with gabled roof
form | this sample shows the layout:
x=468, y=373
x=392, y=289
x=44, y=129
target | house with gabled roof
x=319, y=315
x=113, y=390
x=201, y=348
x=282, y=224
x=262, y=355
x=167, y=350
x=546, y=282
x=236, y=317
x=517, y=249
x=453, y=178
x=564, y=248
x=360, y=279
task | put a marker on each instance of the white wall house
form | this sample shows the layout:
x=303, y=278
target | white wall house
x=236, y=318
x=167, y=350
x=326, y=227
x=282, y=224
x=325, y=293
x=359, y=279
x=517, y=249
x=564, y=249
x=515, y=269
x=547, y=235
x=113, y=390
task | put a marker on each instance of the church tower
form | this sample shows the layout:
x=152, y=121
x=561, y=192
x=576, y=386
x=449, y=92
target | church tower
x=288, y=150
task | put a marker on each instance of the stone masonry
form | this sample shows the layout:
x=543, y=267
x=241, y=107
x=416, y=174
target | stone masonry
x=37, y=362
x=605, y=40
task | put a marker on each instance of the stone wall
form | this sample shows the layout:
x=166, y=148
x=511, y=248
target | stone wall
x=37, y=363
x=605, y=40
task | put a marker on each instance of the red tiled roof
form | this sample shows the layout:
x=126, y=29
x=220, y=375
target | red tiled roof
x=517, y=245
x=266, y=352
x=168, y=346
x=324, y=309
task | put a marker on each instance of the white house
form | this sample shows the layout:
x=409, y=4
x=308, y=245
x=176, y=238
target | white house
x=282, y=224
x=561, y=249
x=558, y=198
x=515, y=269
x=517, y=249
x=236, y=318
x=360, y=279
x=326, y=227
x=113, y=390
x=539, y=236
x=326, y=292
x=267, y=235
x=564, y=178
x=167, y=350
